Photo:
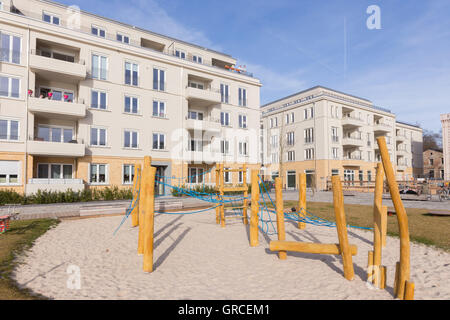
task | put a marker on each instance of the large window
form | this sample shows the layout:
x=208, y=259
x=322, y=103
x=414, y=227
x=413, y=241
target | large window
x=159, y=141
x=195, y=115
x=131, y=74
x=9, y=172
x=128, y=174
x=159, y=79
x=290, y=136
x=98, y=100
x=243, y=148
x=242, y=97
x=334, y=134
x=224, y=90
x=98, y=137
x=54, y=171
x=195, y=145
x=9, y=87
x=225, y=119
x=55, y=134
x=196, y=175
x=99, y=67
x=225, y=147
x=130, y=139
x=309, y=154
x=291, y=156
x=159, y=109
x=9, y=130
x=242, y=121
x=309, y=135
x=98, y=173
x=10, y=48
x=131, y=105
x=335, y=152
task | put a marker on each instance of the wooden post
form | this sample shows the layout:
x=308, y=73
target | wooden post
x=383, y=273
x=409, y=290
x=383, y=226
x=397, y=274
x=341, y=225
x=136, y=187
x=306, y=247
x=302, y=198
x=280, y=215
x=142, y=200
x=402, y=218
x=254, y=241
x=149, y=220
x=244, y=177
x=217, y=190
x=377, y=213
x=370, y=267
x=221, y=192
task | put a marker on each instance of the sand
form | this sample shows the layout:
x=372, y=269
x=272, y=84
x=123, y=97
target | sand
x=196, y=259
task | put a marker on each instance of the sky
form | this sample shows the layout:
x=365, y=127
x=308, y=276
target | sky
x=292, y=45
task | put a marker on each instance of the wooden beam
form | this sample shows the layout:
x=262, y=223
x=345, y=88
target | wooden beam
x=341, y=226
x=301, y=198
x=221, y=192
x=409, y=290
x=377, y=213
x=402, y=218
x=254, y=241
x=245, y=209
x=306, y=247
x=136, y=188
x=370, y=267
x=217, y=188
x=280, y=215
x=149, y=221
x=143, y=198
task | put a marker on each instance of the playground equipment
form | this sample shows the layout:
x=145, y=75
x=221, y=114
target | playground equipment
x=4, y=223
x=403, y=287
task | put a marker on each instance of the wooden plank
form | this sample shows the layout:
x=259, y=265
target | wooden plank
x=305, y=247
x=135, y=205
x=142, y=200
x=234, y=189
x=377, y=213
x=149, y=220
x=302, y=197
x=280, y=215
x=254, y=220
x=409, y=291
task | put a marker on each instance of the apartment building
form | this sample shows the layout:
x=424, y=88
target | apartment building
x=445, y=120
x=433, y=164
x=84, y=98
x=323, y=132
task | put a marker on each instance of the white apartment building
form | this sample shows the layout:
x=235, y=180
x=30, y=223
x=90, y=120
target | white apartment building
x=323, y=132
x=84, y=98
x=445, y=120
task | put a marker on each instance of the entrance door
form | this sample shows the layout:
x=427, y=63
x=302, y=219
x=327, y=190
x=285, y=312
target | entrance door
x=310, y=183
x=160, y=188
x=291, y=179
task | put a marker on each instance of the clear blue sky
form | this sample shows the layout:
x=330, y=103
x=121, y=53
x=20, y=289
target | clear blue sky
x=292, y=45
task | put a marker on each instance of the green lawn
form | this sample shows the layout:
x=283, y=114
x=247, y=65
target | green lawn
x=18, y=238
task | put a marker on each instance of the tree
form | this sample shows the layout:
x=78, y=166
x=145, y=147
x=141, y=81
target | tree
x=432, y=140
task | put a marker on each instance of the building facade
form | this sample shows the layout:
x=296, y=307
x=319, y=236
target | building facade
x=323, y=132
x=83, y=99
x=445, y=120
x=433, y=164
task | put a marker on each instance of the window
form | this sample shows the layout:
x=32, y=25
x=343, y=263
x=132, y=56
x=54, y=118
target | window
x=242, y=97
x=9, y=172
x=9, y=87
x=292, y=117
x=195, y=145
x=225, y=119
x=127, y=174
x=335, y=153
x=369, y=176
x=9, y=130
x=431, y=162
x=243, y=150
x=131, y=74
x=309, y=113
x=54, y=171
x=196, y=175
x=159, y=109
x=10, y=48
x=123, y=38
x=131, y=105
x=274, y=157
x=227, y=175
x=180, y=54
x=159, y=78
x=55, y=134
x=309, y=154
x=97, y=31
x=335, y=172
x=369, y=156
x=57, y=94
x=309, y=135
x=349, y=175
x=369, y=142
x=159, y=141
x=50, y=18
x=98, y=174
x=334, y=134
x=98, y=100
x=274, y=141
x=290, y=137
x=98, y=137
x=291, y=156
x=242, y=121
x=225, y=146
x=197, y=59
x=99, y=67
x=130, y=139
x=195, y=115
x=224, y=93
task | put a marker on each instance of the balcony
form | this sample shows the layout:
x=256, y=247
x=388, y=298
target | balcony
x=401, y=166
x=56, y=149
x=55, y=185
x=352, y=122
x=212, y=125
x=56, y=69
x=381, y=128
x=199, y=157
x=400, y=138
x=203, y=97
x=57, y=109
x=402, y=152
x=352, y=142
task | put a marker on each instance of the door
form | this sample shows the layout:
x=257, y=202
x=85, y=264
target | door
x=291, y=180
x=160, y=188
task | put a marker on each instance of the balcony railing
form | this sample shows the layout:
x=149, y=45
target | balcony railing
x=55, y=181
x=353, y=157
x=64, y=58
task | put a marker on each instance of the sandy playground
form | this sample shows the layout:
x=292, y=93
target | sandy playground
x=196, y=259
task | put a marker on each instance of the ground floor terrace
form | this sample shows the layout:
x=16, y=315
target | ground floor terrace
x=28, y=174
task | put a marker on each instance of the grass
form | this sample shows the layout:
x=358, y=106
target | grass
x=18, y=238
x=429, y=230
